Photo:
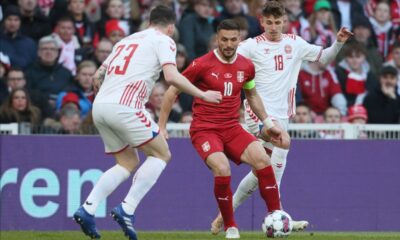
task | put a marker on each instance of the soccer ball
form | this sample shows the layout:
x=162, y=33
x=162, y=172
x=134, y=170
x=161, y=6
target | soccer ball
x=278, y=224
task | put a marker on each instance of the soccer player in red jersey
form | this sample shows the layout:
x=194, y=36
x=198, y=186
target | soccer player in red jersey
x=216, y=132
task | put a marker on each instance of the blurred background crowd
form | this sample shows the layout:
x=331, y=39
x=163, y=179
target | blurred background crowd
x=50, y=49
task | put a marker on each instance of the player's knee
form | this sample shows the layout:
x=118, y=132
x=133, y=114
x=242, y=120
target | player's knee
x=222, y=170
x=165, y=156
x=262, y=162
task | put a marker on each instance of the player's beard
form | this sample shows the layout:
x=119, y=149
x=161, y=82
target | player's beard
x=228, y=55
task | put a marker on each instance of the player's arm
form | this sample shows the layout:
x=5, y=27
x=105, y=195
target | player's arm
x=98, y=78
x=271, y=131
x=173, y=77
x=166, y=106
x=329, y=54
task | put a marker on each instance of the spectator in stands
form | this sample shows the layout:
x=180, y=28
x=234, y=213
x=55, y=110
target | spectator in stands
x=155, y=101
x=362, y=30
x=20, y=49
x=103, y=49
x=395, y=62
x=345, y=12
x=332, y=115
x=320, y=88
x=15, y=79
x=255, y=7
x=46, y=77
x=354, y=74
x=67, y=42
x=114, y=11
x=185, y=100
x=115, y=30
x=322, y=28
x=19, y=108
x=84, y=29
x=234, y=8
x=81, y=92
x=383, y=103
x=297, y=21
x=394, y=10
x=303, y=115
x=357, y=114
x=34, y=23
x=383, y=27
x=195, y=29
x=70, y=120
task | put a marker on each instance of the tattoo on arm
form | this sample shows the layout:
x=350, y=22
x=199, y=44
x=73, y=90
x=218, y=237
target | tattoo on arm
x=101, y=75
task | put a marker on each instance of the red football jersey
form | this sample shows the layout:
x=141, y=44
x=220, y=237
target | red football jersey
x=211, y=72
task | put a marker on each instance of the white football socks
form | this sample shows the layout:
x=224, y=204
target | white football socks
x=145, y=177
x=250, y=182
x=246, y=187
x=107, y=183
x=278, y=161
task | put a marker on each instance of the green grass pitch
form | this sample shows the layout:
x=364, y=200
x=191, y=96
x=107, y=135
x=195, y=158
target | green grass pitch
x=113, y=235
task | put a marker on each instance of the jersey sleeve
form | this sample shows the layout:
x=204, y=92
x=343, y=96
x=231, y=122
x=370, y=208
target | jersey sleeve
x=193, y=71
x=166, y=51
x=245, y=47
x=252, y=71
x=308, y=52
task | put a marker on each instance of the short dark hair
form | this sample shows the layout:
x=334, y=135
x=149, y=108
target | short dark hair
x=66, y=18
x=354, y=48
x=274, y=8
x=228, y=24
x=388, y=70
x=162, y=15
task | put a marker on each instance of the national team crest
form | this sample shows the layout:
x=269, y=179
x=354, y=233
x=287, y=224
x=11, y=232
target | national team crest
x=240, y=76
x=288, y=49
x=206, y=146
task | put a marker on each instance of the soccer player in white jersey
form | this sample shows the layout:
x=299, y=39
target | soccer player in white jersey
x=124, y=83
x=277, y=58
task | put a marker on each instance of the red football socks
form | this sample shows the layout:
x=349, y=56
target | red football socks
x=268, y=188
x=223, y=195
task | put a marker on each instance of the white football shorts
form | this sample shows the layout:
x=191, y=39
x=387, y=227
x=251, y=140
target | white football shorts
x=122, y=126
x=254, y=125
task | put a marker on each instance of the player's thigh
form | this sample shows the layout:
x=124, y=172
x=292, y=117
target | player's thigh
x=128, y=158
x=206, y=142
x=157, y=147
x=113, y=143
x=255, y=156
x=236, y=140
x=219, y=164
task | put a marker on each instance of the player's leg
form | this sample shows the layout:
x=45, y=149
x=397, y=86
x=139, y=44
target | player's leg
x=146, y=176
x=219, y=165
x=126, y=161
x=256, y=157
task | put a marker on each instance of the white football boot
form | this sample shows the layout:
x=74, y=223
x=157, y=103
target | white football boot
x=232, y=233
x=299, y=225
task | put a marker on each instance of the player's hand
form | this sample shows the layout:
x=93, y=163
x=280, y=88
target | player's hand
x=343, y=35
x=273, y=135
x=164, y=132
x=212, y=96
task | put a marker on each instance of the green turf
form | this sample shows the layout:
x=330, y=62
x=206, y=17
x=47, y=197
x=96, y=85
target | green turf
x=109, y=235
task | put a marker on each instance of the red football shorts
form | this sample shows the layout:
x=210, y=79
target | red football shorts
x=231, y=140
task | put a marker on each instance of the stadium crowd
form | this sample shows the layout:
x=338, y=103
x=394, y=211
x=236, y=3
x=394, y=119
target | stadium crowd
x=49, y=50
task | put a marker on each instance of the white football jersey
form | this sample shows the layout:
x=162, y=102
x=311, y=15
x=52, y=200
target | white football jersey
x=277, y=68
x=134, y=66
